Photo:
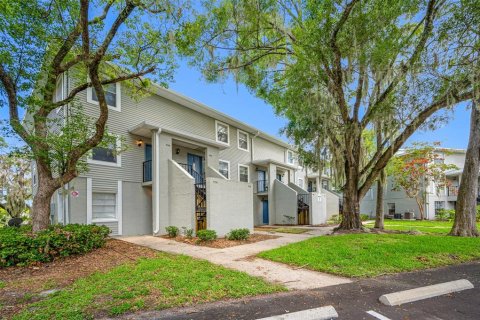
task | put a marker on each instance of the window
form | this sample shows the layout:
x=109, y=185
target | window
x=290, y=158
x=104, y=206
x=222, y=132
x=439, y=205
x=58, y=89
x=112, y=95
x=300, y=183
x=224, y=168
x=391, y=208
x=243, y=141
x=279, y=176
x=106, y=155
x=243, y=175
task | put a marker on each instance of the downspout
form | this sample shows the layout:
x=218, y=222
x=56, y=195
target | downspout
x=156, y=181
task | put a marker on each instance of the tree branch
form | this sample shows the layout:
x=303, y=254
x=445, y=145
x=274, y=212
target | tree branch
x=408, y=131
x=405, y=67
x=337, y=64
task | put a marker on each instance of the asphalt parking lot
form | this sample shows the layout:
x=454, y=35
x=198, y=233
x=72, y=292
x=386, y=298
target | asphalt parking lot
x=357, y=300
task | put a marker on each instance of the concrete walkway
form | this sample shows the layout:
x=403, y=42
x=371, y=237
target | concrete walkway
x=242, y=258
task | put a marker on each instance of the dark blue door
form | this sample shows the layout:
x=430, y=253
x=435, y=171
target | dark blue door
x=195, y=162
x=265, y=211
x=148, y=152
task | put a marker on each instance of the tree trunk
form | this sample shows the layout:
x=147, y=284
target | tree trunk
x=379, y=216
x=351, y=201
x=40, y=211
x=465, y=215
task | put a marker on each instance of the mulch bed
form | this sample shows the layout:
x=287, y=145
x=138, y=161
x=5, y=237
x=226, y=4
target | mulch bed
x=221, y=243
x=21, y=284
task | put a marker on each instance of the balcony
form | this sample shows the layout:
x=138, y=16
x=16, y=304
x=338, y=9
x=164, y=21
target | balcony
x=261, y=186
x=147, y=171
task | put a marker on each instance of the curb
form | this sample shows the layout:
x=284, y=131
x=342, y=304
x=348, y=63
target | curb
x=401, y=297
x=322, y=313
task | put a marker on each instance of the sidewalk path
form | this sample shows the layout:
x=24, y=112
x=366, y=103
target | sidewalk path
x=242, y=258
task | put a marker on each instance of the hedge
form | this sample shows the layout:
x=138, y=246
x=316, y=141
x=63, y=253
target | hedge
x=21, y=246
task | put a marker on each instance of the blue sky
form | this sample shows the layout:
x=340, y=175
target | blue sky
x=237, y=102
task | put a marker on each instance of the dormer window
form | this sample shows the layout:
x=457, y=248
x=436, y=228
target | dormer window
x=223, y=135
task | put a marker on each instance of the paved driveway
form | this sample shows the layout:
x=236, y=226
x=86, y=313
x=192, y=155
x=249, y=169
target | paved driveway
x=242, y=258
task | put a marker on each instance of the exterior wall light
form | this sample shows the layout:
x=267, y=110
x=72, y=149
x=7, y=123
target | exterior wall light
x=139, y=142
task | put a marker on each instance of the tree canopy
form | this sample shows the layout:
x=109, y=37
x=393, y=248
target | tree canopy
x=335, y=68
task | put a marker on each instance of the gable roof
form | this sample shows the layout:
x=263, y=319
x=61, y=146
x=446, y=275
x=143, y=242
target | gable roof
x=215, y=114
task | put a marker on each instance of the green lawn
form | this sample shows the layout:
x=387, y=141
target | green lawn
x=155, y=283
x=368, y=255
x=425, y=226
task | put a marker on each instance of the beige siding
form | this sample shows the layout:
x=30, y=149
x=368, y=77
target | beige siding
x=264, y=149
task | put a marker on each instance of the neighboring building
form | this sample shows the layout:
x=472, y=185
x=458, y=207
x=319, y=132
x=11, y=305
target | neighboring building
x=397, y=202
x=186, y=165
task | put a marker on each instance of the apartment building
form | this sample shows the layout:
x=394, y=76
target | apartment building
x=396, y=202
x=186, y=165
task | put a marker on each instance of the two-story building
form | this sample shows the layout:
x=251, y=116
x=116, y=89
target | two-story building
x=436, y=198
x=186, y=165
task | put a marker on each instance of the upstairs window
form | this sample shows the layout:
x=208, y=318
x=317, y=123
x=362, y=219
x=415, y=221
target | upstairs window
x=112, y=95
x=243, y=141
x=224, y=168
x=243, y=173
x=290, y=157
x=222, y=132
x=106, y=155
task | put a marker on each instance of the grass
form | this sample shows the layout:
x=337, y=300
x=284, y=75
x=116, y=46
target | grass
x=284, y=230
x=368, y=255
x=154, y=283
x=425, y=226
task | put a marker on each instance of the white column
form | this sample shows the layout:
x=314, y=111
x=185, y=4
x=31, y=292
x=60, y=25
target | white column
x=89, y=200
x=156, y=180
x=120, y=207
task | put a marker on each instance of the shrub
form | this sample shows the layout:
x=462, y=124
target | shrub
x=206, y=235
x=364, y=217
x=445, y=215
x=21, y=246
x=238, y=234
x=335, y=219
x=189, y=233
x=172, y=231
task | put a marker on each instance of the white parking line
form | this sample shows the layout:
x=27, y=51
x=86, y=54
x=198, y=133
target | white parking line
x=377, y=315
x=322, y=313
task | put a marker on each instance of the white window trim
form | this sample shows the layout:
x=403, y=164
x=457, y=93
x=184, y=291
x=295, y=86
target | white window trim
x=248, y=172
x=238, y=140
x=60, y=78
x=287, y=157
x=117, y=164
x=301, y=185
x=34, y=175
x=229, y=171
x=118, y=97
x=216, y=132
